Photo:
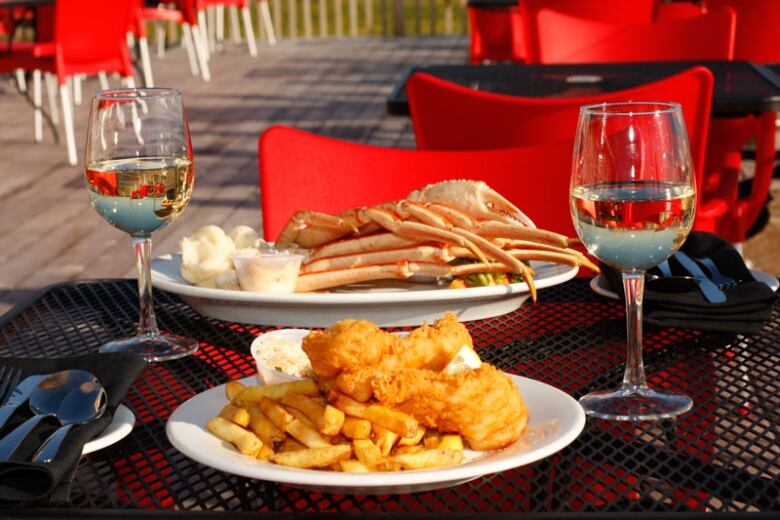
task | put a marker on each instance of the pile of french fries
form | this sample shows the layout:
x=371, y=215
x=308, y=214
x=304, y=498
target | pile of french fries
x=291, y=424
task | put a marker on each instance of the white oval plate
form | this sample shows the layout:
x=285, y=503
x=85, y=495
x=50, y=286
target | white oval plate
x=599, y=283
x=388, y=304
x=121, y=425
x=555, y=420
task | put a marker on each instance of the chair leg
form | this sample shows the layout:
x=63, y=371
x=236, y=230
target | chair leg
x=201, y=50
x=51, y=93
x=38, y=117
x=265, y=16
x=103, y=80
x=21, y=80
x=159, y=36
x=235, y=30
x=219, y=28
x=146, y=63
x=250, y=33
x=202, y=29
x=210, y=29
x=77, y=88
x=189, y=44
x=67, y=115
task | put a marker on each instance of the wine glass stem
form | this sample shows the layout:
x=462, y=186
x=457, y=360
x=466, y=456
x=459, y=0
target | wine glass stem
x=147, y=324
x=633, y=286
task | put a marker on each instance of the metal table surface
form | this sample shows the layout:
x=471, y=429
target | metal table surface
x=741, y=88
x=723, y=456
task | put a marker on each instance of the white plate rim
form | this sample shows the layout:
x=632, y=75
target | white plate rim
x=595, y=283
x=120, y=427
x=553, y=274
x=183, y=435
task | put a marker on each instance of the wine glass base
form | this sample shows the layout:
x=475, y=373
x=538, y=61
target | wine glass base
x=635, y=403
x=154, y=347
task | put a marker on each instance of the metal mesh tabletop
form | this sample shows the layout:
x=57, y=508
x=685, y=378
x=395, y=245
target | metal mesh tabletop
x=724, y=455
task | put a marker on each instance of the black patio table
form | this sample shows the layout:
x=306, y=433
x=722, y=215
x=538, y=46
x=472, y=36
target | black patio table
x=741, y=88
x=722, y=456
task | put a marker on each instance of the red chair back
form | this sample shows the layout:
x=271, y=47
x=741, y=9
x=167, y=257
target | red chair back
x=561, y=38
x=447, y=116
x=90, y=37
x=757, y=33
x=678, y=11
x=299, y=170
x=495, y=34
x=609, y=11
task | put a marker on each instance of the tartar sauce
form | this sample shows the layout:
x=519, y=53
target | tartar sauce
x=285, y=356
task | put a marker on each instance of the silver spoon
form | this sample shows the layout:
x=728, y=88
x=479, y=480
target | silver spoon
x=72, y=396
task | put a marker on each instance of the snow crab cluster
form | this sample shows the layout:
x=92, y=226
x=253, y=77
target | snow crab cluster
x=447, y=229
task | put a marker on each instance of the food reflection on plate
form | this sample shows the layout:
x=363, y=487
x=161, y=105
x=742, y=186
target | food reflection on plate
x=381, y=402
x=461, y=232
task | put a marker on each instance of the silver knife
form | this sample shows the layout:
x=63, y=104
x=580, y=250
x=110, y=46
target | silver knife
x=711, y=292
x=19, y=396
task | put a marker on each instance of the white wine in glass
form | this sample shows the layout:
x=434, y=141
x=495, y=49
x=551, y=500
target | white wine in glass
x=139, y=176
x=633, y=201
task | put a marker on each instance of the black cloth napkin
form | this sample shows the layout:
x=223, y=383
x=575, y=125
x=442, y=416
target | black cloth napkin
x=678, y=302
x=22, y=482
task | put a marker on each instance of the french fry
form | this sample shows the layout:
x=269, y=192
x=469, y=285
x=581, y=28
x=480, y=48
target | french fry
x=327, y=419
x=265, y=452
x=300, y=416
x=355, y=428
x=290, y=444
x=254, y=394
x=451, y=442
x=400, y=450
x=353, y=466
x=431, y=440
x=367, y=452
x=313, y=457
x=394, y=420
x=411, y=441
x=384, y=439
x=267, y=431
x=306, y=434
x=278, y=415
x=236, y=414
x=245, y=441
x=429, y=459
x=233, y=389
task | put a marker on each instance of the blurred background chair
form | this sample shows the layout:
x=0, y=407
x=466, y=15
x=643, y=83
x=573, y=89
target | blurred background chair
x=300, y=170
x=78, y=46
x=447, y=116
x=495, y=34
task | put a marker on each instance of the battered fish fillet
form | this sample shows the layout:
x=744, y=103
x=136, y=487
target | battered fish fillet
x=348, y=354
x=483, y=405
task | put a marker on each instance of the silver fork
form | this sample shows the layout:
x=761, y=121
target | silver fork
x=719, y=278
x=9, y=378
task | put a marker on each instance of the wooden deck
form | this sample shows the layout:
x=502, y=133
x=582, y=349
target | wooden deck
x=336, y=87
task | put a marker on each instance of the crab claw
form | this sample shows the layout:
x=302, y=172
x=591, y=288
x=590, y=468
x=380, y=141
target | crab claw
x=473, y=197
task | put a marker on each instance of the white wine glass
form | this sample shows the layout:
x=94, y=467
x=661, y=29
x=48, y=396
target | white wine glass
x=139, y=175
x=632, y=201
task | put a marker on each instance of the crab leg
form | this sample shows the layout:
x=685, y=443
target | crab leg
x=422, y=253
x=349, y=246
x=493, y=229
x=311, y=228
x=336, y=277
x=420, y=231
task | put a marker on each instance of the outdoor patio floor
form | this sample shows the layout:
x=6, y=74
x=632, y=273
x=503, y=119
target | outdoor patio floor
x=335, y=87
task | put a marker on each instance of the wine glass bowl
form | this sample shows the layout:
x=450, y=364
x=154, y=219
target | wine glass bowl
x=139, y=175
x=633, y=201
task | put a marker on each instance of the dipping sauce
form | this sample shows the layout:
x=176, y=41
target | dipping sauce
x=280, y=359
x=267, y=272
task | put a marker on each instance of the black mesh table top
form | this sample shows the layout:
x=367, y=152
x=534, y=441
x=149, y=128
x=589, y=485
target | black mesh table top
x=723, y=456
x=741, y=88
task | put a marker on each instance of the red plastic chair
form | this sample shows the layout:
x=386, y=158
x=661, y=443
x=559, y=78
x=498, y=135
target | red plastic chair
x=757, y=32
x=608, y=11
x=562, y=38
x=495, y=34
x=679, y=11
x=80, y=46
x=483, y=120
x=300, y=170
